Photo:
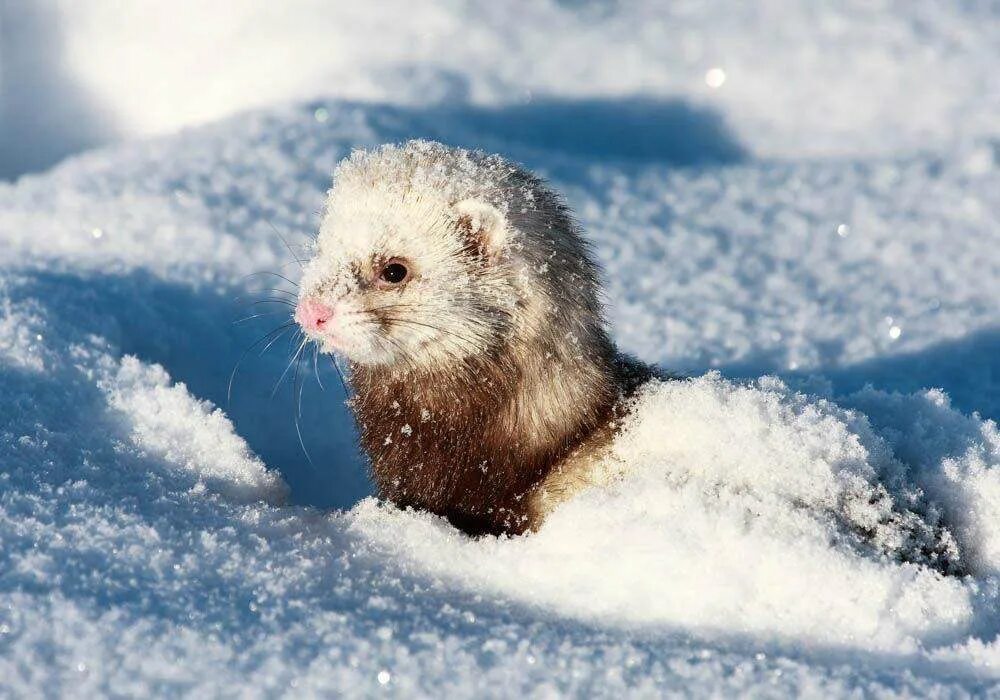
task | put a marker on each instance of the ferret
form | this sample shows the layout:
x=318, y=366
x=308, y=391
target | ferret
x=486, y=387
x=461, y=292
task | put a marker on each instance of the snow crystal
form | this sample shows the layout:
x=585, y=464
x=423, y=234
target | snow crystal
x=715, y=77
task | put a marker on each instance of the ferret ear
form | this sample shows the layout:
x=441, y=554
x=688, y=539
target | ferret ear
x=484, y=226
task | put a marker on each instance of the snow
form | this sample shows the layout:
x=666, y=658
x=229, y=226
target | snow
x=810, y=78
x=820, y=221
x=779, y=488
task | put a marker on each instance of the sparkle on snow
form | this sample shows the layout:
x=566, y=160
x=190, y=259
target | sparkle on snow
x=715, y=77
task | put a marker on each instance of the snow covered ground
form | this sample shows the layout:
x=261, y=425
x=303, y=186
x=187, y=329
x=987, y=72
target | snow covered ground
x=828, y=214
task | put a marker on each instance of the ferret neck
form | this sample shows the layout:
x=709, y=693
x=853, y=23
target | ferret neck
x=469, y=443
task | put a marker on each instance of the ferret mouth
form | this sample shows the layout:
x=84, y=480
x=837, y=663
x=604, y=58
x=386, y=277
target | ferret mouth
x=338, y=336
x=358, y=336
x=328, y=340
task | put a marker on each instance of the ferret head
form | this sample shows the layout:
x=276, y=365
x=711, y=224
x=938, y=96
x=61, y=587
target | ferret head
x=428, y=255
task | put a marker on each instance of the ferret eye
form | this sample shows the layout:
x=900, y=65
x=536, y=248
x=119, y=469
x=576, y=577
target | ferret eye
x=393, y=272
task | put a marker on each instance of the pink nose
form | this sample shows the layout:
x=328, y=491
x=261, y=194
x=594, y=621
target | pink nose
x=313, y=314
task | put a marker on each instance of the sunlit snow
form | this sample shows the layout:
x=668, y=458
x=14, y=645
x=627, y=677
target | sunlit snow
x=810, y=233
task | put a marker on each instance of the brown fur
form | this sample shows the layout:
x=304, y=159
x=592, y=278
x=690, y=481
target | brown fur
x=475, y=449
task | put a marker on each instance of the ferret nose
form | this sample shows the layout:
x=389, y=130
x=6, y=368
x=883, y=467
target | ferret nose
x=313, y=314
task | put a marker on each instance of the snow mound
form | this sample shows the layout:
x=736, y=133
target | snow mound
x=953, y=458
x=87, y=403
x=165, y=421
x=741, y=511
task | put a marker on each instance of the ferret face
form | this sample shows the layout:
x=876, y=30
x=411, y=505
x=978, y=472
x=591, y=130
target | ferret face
x=406, y=279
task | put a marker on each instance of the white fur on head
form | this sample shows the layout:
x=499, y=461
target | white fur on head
x=491, y=252
x=428, y=206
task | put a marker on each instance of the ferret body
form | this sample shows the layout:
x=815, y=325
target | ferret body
x=486, y=388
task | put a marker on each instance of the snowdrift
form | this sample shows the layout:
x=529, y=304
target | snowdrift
x=772, y=533
x=740, y=514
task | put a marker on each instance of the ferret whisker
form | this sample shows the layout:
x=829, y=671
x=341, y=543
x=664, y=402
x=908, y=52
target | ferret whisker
x=264, y=313
x=294, y=359
x=275, y=274
x=244, y=298
x=259, y=290
x=271, y=289
x=297, y=413
x=296, y=389
x=258, y=302
x=383, y=339
x=250, y=300
x=316, y=367
x=293, y=339
x=411, y=322
x=274, y=340
x=282, y=238
x=404, y=307
x=343, y=382
x=280, y=330
x=302, y=444
x=406, y=321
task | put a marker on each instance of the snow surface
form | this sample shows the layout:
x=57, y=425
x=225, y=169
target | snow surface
x=828, y=215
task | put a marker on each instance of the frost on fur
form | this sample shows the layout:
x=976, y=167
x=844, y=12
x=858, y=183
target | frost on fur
x=490, y=251
x=457, y=283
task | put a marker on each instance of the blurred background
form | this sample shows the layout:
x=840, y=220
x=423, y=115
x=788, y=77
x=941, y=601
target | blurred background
x=818, y=78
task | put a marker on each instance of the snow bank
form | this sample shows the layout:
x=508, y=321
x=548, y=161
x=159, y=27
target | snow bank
x=836, y=265
x=952, y=457
x=831, y=78
x=85, y=402
x=742, y=513
x=191, y=435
